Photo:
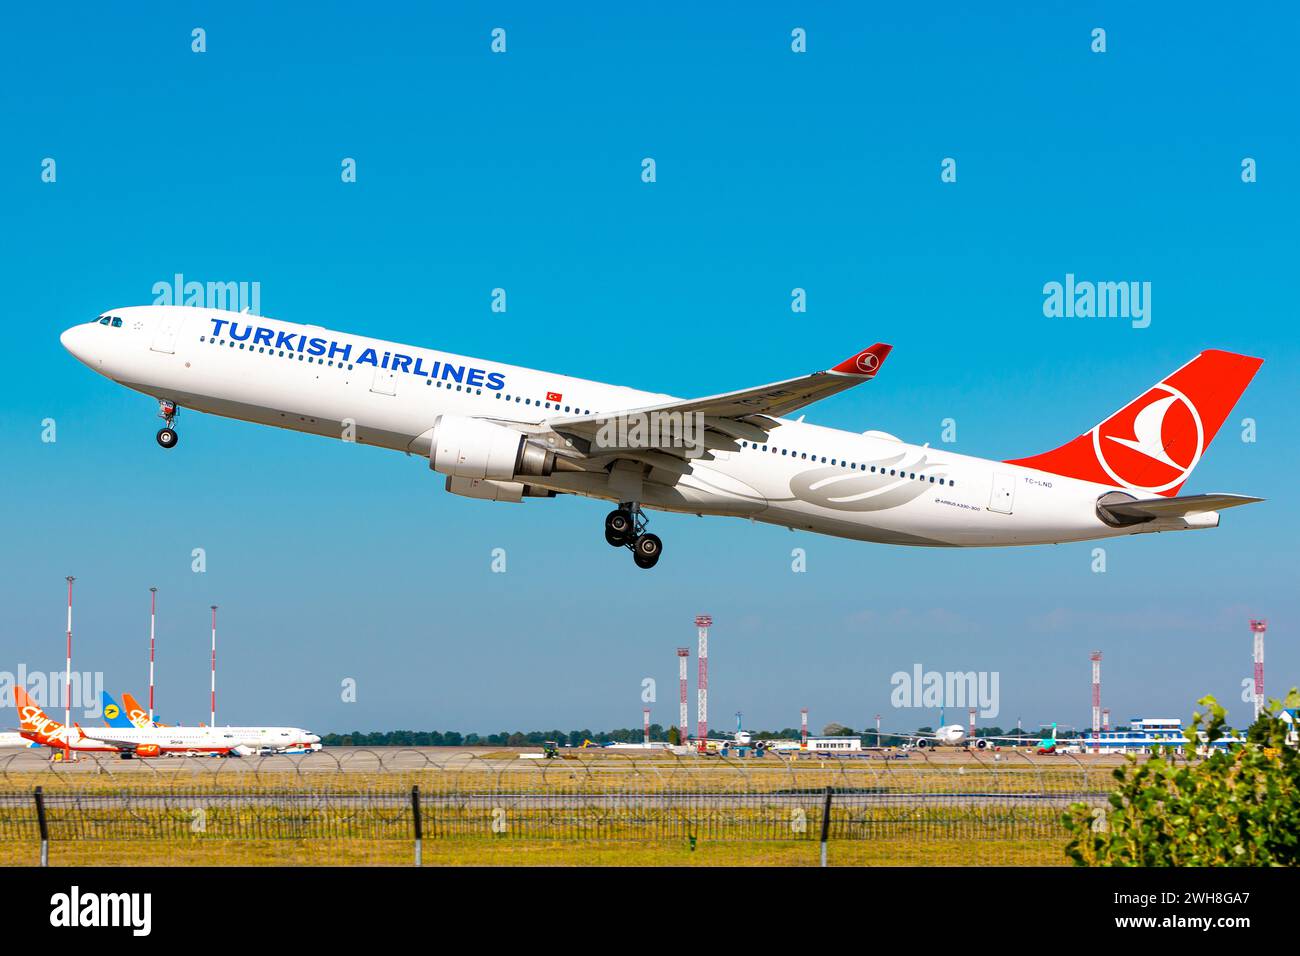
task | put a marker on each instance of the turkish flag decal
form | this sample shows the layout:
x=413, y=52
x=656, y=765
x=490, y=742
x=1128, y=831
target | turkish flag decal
x=554, y=397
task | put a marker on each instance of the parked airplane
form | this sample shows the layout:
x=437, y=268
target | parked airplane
x=265, y=739
x=502, y=433
x=955, y=735
x=12, y=739
x=36, y=725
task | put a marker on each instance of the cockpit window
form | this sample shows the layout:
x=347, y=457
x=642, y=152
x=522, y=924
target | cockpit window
x=117, y=323
x=104, y=321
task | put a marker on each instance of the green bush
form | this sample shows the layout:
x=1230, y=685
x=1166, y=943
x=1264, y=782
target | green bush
x=1236, y=807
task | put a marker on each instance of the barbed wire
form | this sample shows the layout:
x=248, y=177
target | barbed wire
x=356, y=802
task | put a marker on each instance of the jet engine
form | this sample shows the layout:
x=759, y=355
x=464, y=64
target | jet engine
x=472, y=448
x=491, y=490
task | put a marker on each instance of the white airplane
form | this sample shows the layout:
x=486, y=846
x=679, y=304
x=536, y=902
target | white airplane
x=12, y=739
x=955, y=735
x=502, y=433
x=254, y=740
x=37, y=726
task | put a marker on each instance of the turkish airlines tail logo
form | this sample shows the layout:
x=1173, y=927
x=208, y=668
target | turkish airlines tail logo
x=1151, y=445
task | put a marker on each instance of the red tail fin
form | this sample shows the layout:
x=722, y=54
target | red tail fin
x=138, y=716
x=1152, y=444
x=33, y=721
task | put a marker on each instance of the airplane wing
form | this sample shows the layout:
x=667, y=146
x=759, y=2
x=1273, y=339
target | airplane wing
x=1148, y=509
x=128, y=745
x=746, y=414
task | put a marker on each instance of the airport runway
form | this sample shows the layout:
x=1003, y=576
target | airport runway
x=496, y=759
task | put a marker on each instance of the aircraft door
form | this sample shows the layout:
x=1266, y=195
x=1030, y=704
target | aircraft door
x=385, y=382
x=164, y=339
x=1004, y=493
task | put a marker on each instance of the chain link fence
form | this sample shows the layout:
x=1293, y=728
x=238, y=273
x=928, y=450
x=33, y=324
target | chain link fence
x=379, y=806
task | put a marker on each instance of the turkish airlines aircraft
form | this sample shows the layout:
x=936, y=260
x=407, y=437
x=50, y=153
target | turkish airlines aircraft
x=36, y=725
x=503, y=433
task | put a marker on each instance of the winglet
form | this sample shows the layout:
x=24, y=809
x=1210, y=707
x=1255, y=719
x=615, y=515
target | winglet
x=865, y=363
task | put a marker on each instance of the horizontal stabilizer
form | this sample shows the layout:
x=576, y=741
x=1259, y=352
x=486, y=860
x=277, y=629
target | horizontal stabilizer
x=1150, y=508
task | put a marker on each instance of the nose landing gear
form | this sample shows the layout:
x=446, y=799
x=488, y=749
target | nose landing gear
x=625, y=528
x=168, y=411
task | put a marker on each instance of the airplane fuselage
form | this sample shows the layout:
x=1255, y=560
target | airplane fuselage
x=868, y=487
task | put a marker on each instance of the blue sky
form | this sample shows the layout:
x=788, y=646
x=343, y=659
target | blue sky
x=521, y=170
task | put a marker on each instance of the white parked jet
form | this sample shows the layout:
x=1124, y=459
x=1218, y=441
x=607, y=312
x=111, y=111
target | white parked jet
x=253, y=740
x=39, y=727
x=503, y=433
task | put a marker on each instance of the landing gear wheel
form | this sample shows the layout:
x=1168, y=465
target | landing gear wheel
x=619, y=527
x=167, y=438
x=646, y=550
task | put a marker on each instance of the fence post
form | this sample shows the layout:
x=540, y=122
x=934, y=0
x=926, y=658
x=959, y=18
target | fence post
x=826, y=823
x=419, y=826
x=44, y=827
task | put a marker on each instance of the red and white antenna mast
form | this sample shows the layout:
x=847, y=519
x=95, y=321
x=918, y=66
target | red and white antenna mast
x=1258, y=628
x=67, y=682
x=1095, y=657
x=703, y=622
x=214, y=666
x=645, y=724
x=153, y=610
x=683, y=716
x=803, y=728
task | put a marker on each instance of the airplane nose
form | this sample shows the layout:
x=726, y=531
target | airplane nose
x=74, y=340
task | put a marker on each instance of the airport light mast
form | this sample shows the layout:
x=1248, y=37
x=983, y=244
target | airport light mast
x=1095, y=657
x=67, y=683
x=877, y=730
x=153, y=610
x=1258, y=627
x=683, y=715
x=703, y=622
x=645, y=725
x=214, y=666
x=803, y=728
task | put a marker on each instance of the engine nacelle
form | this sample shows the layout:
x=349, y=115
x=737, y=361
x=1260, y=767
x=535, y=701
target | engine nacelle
x=473, y=448
x=982, y=744
x=492, y=490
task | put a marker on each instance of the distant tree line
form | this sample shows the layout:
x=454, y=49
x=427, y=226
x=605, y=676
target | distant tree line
x=575, y=738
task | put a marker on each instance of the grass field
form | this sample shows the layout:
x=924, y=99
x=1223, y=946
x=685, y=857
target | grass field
x=503, y=811
x=510, y=852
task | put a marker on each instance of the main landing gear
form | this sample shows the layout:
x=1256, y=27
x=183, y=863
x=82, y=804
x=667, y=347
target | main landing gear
x=168, y=411
x=625, y=528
